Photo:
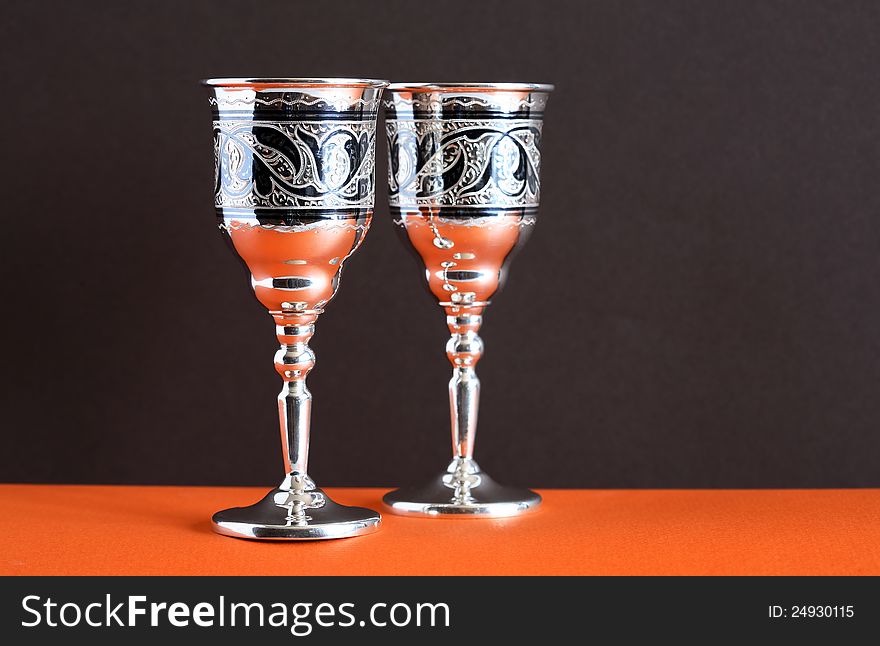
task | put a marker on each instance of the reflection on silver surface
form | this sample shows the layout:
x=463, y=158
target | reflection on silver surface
x=463, y=491
x=464, y=183
x=294, y=188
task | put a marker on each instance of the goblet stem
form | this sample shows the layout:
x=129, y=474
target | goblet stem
x=473, y=492
x=293, y=362
x=464, y=350
x=464, y=402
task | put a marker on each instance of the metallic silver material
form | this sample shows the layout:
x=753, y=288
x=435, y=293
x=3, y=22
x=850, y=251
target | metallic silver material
x=464, y=183
x=295, y=514
x=294, y=166
x=463, y=491
x=494, y=148
x=346, y=182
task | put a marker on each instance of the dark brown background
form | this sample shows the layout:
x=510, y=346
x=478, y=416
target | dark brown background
x=698, y=307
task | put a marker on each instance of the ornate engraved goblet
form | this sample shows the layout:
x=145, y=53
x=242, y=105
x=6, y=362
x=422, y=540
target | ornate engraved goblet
x=464, y=164
x=294, y=184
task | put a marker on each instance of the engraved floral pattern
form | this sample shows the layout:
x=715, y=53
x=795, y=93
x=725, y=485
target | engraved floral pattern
x=308, y=164
x=248, y=99
x=432, y=102
x=459, y=162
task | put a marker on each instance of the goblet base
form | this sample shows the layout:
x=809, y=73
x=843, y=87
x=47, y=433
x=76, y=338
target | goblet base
x=444, y=496
x=270, y=521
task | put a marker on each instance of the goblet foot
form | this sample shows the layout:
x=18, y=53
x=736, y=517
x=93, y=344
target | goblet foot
x=464, y=491
x=284, y=515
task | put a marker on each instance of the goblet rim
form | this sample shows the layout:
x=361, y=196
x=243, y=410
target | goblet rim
x=471, y=87
x=282, y=82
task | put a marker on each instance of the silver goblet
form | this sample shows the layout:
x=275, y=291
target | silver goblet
x=294, y=184
x=464, y=165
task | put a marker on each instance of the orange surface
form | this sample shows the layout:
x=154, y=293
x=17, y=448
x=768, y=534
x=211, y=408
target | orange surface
x=165, y=530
